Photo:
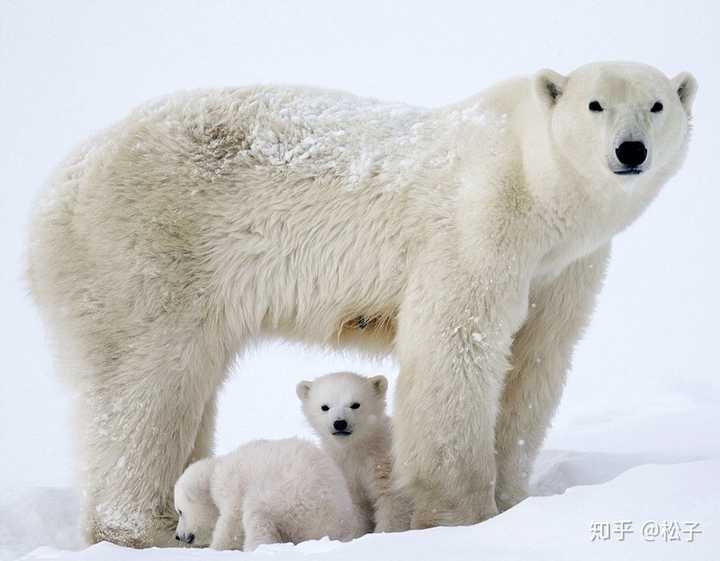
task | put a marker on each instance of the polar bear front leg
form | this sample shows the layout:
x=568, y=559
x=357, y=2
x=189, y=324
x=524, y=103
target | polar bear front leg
x=260, y=528
x=454, y=337
x=229, y=532
x=393, y=512
x=541, y=355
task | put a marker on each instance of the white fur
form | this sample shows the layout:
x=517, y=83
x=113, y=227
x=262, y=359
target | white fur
x=365, y=454
x=470, y=239
x=264, y=492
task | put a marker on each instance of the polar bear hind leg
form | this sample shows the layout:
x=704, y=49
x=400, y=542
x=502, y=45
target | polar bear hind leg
x=139, y=434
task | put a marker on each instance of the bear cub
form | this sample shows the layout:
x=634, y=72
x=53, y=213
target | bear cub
x=347, y=411
x=266, y=491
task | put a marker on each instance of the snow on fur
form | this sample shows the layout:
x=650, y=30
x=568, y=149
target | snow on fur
x=206, y=221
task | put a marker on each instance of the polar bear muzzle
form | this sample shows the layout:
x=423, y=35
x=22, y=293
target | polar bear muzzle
x=631, y=154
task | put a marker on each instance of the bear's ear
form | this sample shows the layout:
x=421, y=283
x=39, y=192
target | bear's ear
x=195, y=482
x=548, y=86
x=303, y=389
x=379, y=383
x=686, y=86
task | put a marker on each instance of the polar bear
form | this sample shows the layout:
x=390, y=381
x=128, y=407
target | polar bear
x=469, y=240
x=264, y=492
x=347, y=411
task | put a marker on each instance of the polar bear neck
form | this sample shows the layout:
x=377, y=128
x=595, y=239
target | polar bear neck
x=362, y=461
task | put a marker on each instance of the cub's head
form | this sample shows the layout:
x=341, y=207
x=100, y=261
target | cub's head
x=197, y=514
x=621, y=120
x=344, y=407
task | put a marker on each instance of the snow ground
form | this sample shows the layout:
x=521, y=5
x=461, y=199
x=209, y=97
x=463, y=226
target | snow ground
x=636, y=437
x=667, y=488
x=659, y=503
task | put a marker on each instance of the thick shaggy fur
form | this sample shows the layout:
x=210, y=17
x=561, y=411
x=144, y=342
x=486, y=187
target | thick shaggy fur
x=264, y=492
x=470, y=239
x=364, y=449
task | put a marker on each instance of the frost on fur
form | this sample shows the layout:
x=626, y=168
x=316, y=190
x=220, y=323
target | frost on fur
x=208, y=220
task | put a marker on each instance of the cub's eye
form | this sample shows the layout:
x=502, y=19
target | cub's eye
x=325, y=408
x=179, y=512
x=657, y=107
x=355, y=405
x=595, y=106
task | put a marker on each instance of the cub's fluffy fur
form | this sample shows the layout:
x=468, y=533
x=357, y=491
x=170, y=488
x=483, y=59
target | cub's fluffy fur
x=348, y=413
x=264, y=492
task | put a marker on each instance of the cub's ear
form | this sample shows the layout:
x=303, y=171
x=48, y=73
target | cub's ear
x=549, y=86
x=379, y=383
x=686, y=87
x=303, y=389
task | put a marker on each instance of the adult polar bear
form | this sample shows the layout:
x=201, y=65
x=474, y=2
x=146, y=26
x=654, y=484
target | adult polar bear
x=471, y=240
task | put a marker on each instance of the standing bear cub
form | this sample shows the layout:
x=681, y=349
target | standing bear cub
x=348, y=413
x=469, y=240
x=264, y=492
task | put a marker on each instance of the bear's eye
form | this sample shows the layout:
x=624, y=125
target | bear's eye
x=179, y=512
x=325, y=408
x=595, y=106
x=657, y=107
x=355, y=405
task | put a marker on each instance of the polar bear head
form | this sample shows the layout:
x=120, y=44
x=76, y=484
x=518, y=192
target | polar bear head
x=197, y=513
x=344, y=407
x=617, y=120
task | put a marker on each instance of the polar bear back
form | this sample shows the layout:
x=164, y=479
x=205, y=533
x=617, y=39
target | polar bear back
x=191, y=198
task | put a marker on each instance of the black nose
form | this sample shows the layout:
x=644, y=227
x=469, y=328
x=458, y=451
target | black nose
x=177, y=537
x=631, y=154
x=340, y=425
x=190, y=538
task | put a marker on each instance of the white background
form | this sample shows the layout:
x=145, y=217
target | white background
x=70, y=68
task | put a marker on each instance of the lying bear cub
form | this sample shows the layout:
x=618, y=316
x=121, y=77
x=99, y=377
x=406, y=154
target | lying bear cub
x=277, y=491
x=266, y=491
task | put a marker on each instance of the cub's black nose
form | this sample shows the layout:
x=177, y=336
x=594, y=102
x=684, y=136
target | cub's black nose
x=340, y=425
x=631, y=154
x=190, y=538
